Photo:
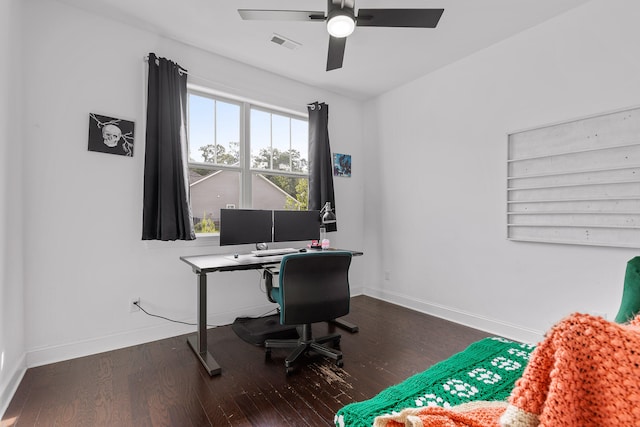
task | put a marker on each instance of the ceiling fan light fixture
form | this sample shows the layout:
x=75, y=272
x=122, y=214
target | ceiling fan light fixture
x=341, y=23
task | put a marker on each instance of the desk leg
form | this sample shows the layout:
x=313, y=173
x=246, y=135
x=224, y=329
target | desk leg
x=198, y=343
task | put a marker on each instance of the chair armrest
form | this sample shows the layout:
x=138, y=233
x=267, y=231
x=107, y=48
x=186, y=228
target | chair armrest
x=268, y=274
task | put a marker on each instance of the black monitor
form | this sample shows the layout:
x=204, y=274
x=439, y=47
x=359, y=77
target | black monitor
x=291, y=226
x=240, y=226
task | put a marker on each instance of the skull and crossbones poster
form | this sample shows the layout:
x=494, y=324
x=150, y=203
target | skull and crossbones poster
x=110, y=135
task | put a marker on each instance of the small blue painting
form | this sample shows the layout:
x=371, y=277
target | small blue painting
x=341, y=164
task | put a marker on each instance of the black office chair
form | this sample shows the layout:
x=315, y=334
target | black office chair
x=313, y=287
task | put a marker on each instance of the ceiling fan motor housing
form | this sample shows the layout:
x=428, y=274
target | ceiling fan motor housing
x=341, y=22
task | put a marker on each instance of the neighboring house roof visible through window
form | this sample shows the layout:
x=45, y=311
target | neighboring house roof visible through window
x=220, y=189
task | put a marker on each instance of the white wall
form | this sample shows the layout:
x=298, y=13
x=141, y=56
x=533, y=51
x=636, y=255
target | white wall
x=83, y=213
x=12, y=360
x=441, y=176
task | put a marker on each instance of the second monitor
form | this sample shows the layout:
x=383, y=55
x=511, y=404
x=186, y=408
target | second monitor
x=292, y=226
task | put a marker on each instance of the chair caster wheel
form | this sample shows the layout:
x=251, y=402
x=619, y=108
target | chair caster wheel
x=339, y=363
x=288, y=370
x=267, y=355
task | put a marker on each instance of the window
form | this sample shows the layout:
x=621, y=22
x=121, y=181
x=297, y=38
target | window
x=244, y=155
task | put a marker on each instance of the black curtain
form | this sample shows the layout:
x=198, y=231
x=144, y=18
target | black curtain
x=320, y=169
x=166, y=212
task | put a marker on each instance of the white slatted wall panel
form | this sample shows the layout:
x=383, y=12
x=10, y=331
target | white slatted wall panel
x=576, y=182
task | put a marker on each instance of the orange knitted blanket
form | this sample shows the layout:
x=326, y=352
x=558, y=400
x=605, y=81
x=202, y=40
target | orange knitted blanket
x=472, y=414
x=585, y=373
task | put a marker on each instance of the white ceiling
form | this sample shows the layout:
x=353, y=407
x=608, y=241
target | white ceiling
x=376, y=59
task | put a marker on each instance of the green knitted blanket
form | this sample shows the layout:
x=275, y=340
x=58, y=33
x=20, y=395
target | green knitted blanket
x=486, y=370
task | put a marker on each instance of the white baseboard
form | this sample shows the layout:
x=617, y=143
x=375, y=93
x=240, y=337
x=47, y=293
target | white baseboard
x=52, y=354
x=489, y=325
x=8, y=389
x=356, y=290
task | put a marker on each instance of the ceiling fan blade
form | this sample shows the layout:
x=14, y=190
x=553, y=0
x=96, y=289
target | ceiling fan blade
x=415, y=18
x=336, y=52
x=281, y=15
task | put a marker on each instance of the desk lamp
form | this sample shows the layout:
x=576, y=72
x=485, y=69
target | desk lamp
x=326, y=214
x=326, y=217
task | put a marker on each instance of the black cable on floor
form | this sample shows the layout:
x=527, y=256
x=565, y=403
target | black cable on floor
x=137, y=303
x=170, y=320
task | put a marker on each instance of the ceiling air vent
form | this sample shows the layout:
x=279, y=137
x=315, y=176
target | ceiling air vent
x=283, y=41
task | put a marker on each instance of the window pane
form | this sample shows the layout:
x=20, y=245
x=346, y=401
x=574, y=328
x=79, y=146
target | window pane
x=228, y=133
x=211, y=191
x=281, y=143
x=279, y=192
x=278, y=142
x=201, y=125
x=260, y=135
x=214, y=131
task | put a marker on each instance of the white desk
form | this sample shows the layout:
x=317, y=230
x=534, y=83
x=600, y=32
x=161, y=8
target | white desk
x=203, y=264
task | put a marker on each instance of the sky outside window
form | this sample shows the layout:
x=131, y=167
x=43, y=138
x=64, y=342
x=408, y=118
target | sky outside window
x=212, y=122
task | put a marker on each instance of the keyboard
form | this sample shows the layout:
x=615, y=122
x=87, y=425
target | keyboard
x=272, y=252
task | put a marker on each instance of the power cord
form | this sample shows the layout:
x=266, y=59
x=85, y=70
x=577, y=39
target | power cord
x=274, y=311
x=137, y=304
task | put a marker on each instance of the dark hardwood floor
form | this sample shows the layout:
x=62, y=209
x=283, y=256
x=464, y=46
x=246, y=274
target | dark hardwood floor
x=163, y=384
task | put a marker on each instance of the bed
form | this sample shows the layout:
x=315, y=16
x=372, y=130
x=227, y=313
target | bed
x=484, y=371
x=586, y=372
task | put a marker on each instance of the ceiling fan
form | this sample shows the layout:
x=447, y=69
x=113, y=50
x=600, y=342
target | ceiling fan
x=341, y=21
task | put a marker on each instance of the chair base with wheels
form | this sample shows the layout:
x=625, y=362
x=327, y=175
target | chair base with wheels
x=305, y=345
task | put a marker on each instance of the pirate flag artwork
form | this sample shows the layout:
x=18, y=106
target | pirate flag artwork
x=110, y=135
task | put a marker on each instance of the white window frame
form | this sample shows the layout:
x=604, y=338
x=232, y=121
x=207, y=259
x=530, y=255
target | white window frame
x=245, y=169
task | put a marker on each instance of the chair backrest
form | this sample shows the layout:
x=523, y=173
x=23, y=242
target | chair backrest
x=314, y=287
